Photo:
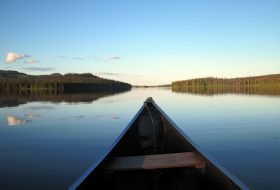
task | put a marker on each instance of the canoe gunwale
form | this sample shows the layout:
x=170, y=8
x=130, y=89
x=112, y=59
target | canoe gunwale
x=80, y=180
x=207, y=157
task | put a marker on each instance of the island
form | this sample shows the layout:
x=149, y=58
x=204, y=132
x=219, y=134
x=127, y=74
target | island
x=264, y=85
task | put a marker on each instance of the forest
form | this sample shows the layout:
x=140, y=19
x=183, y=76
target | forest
x=264, y=85
x=13, y=82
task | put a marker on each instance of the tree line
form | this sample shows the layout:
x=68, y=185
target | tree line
x=266, y=85
x=11, y=82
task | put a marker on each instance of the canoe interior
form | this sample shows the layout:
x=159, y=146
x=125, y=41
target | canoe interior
x=153, y=133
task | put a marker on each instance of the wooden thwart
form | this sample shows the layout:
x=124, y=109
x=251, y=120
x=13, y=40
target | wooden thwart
x=158, y=161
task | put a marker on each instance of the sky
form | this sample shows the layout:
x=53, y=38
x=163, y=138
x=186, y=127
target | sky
x=144, y=42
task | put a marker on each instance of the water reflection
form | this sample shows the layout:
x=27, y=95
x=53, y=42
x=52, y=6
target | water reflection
x=13, y=120
x=31, y=116
x=92, y=117
x=41, y=107
x=233, y=129
x=13, y=100
x=106, y=116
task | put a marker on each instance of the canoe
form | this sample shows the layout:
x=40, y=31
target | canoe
x=153, y=153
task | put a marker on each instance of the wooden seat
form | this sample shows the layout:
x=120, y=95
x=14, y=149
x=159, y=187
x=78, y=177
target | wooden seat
x=158, y=161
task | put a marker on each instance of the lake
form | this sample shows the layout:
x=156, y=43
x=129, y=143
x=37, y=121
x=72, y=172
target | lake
x=48, y=142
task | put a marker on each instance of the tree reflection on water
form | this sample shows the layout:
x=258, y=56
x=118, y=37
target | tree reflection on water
x=16, y=99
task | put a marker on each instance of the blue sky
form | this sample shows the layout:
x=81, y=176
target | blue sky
x=141, y=42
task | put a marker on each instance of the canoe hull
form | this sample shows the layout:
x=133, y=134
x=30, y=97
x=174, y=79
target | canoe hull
x=152, y=132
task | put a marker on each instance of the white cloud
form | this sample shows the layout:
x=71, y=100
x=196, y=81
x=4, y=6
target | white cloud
x=109, y=74
x=115, y=57
x=38, y=68
x=12, y=57
x=116, y=74
x=31, y=61
x=109, y=58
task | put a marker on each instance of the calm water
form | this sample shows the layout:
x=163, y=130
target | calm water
x=48, y=145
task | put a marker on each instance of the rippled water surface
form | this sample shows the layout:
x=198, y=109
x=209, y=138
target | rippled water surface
x=49, y=143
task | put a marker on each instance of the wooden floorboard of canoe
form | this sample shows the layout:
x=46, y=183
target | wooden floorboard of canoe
x=158, y=161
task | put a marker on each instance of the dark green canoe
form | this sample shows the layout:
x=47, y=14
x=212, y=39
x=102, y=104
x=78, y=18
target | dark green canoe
x=153, y=153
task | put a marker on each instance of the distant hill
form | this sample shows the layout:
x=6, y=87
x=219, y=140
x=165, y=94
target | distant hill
x=11, y=74
x=15, y=82
x=264, y=84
